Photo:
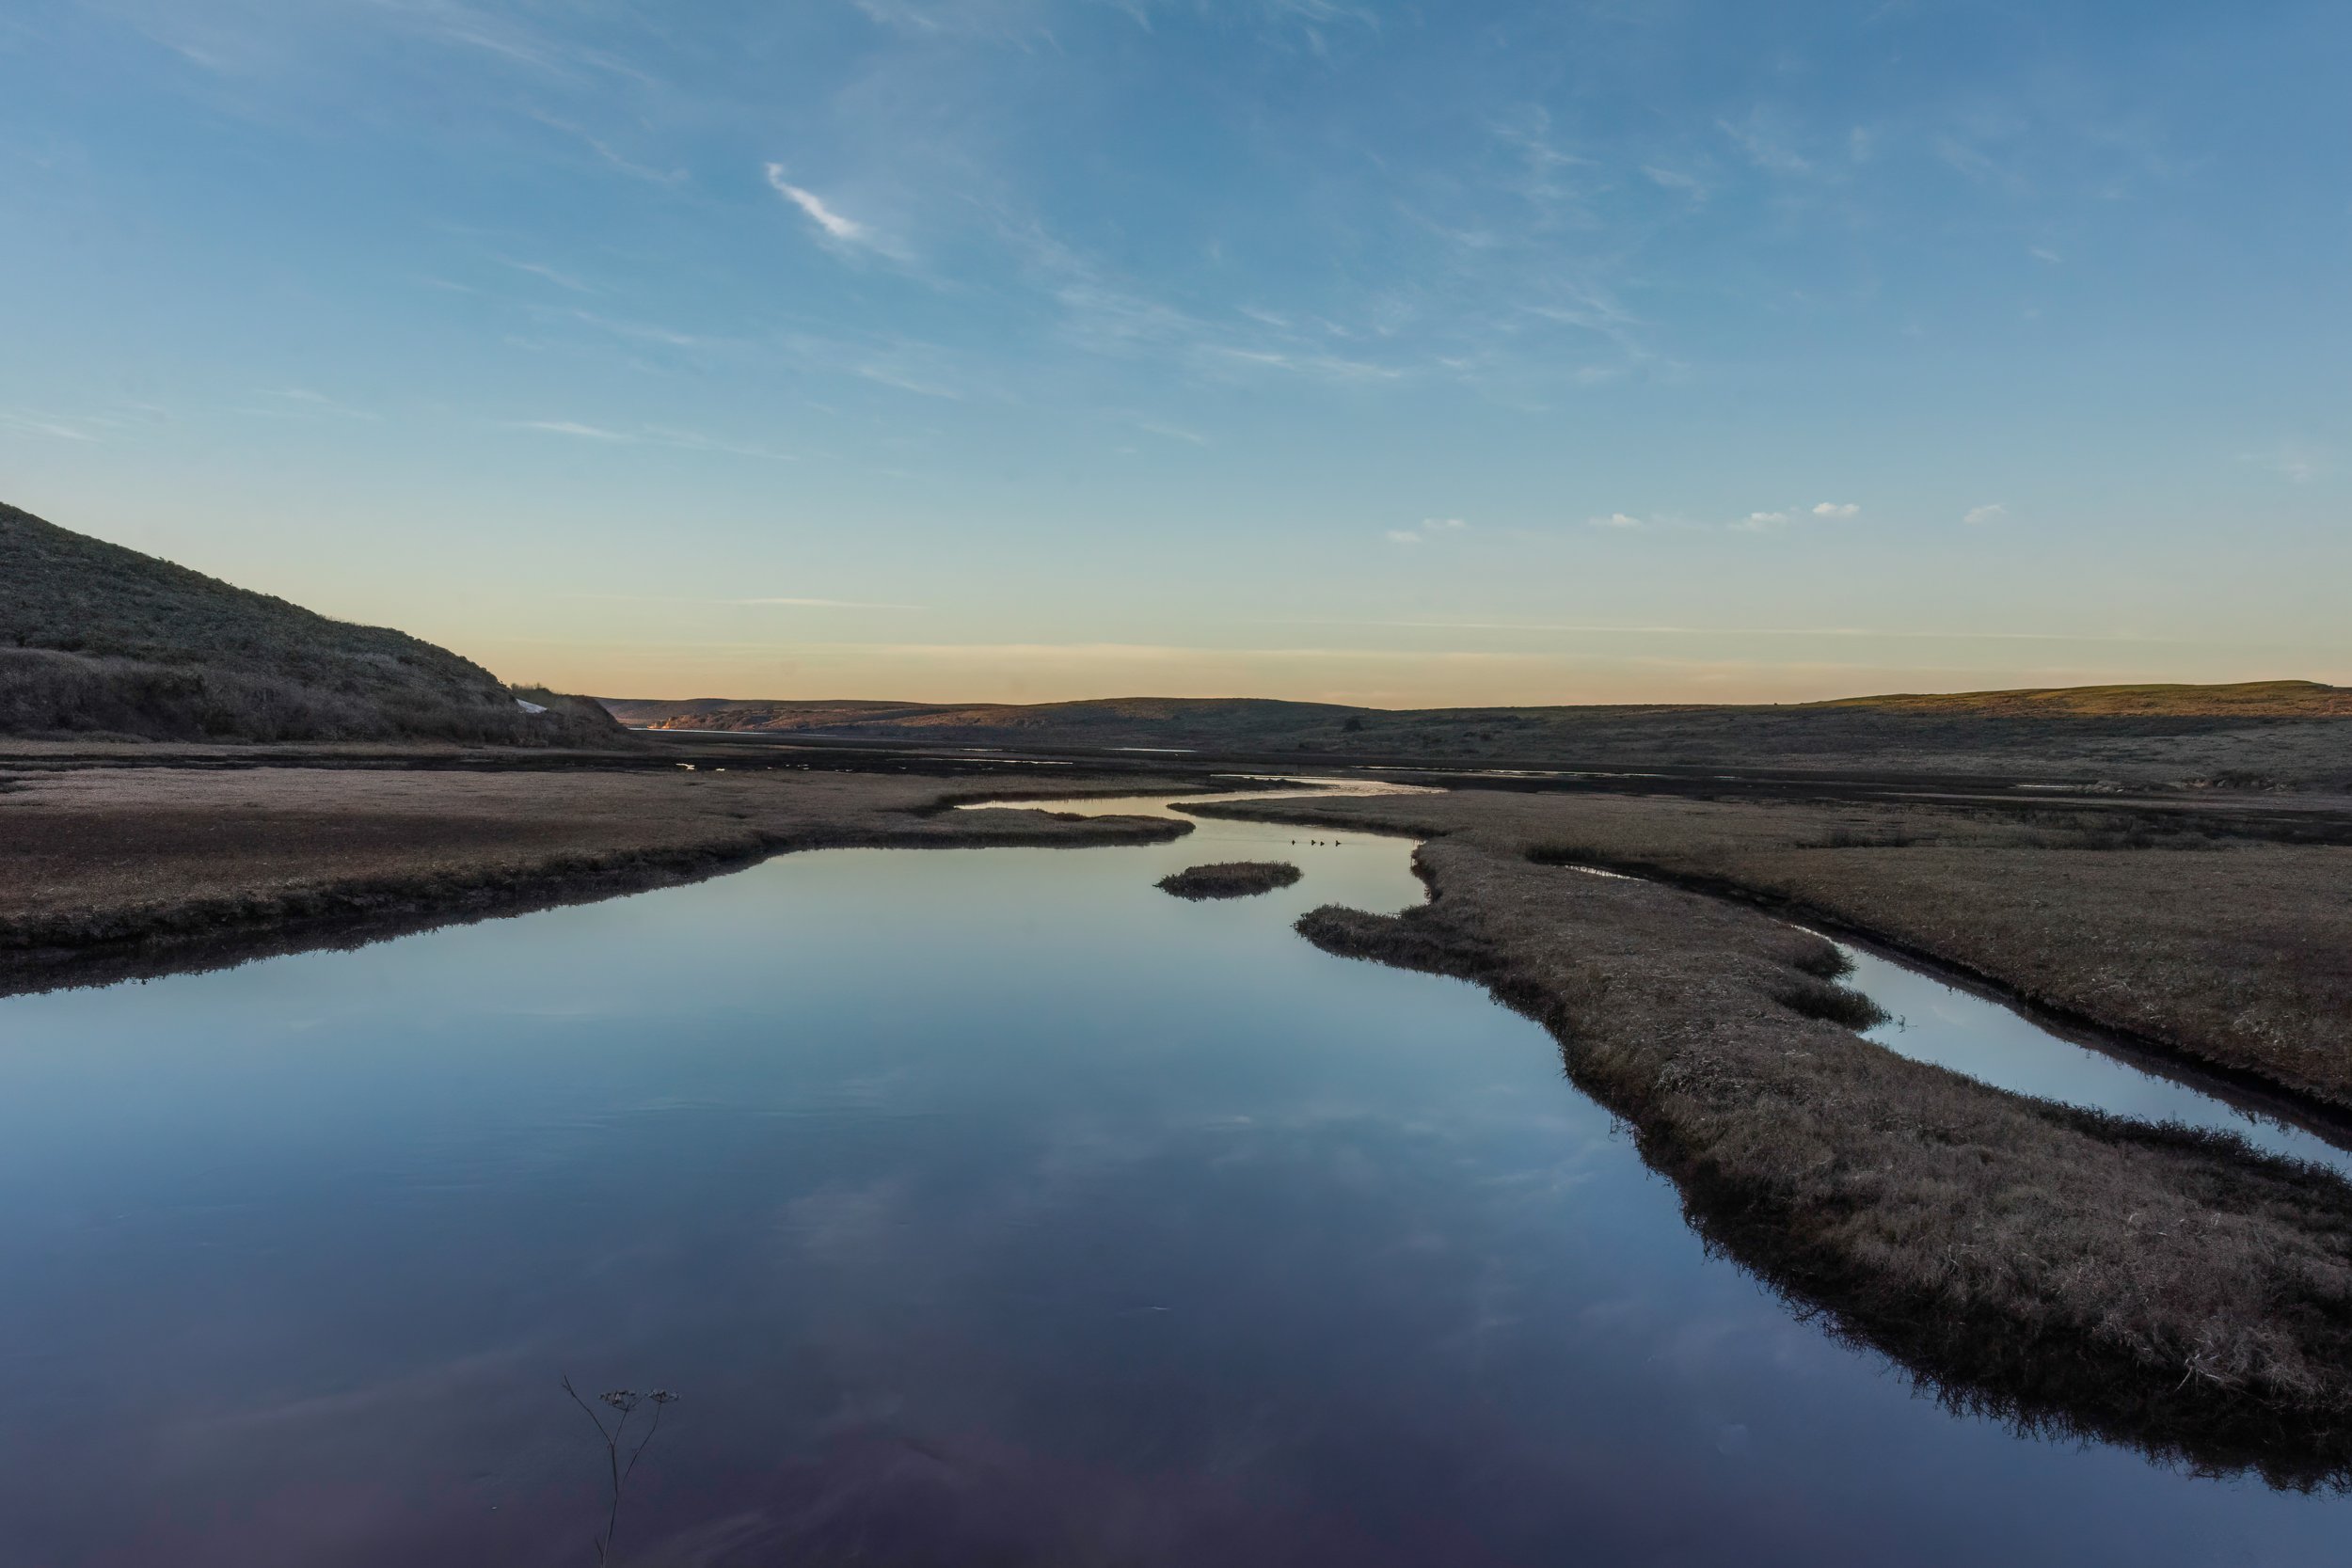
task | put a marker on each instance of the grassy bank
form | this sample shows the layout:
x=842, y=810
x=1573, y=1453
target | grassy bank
x=2228, y=951
x=117, y=872
x=2077, y=1272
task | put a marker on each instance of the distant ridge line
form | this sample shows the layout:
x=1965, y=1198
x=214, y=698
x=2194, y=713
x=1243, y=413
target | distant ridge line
x=2280, y=698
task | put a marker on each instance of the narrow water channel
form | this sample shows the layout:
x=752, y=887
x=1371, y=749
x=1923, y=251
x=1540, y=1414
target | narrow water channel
x=983, y=1206
x=1935, y=1021
x=1931, y=1018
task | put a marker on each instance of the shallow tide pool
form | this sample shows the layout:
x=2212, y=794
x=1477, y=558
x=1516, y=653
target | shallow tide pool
x=983, y=1206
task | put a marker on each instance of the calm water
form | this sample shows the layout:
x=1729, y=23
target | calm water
x=986, y=1207
x=1958, y=1029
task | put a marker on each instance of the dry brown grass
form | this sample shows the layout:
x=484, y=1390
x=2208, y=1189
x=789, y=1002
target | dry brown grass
x=2155, y=1286
x=2236, y=954
x=2291, y=734
x=99, y=640
x=112, y=871
x=1229, y=878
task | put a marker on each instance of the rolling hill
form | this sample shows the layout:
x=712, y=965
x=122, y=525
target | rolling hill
x=2264, y=732
x=97, y=640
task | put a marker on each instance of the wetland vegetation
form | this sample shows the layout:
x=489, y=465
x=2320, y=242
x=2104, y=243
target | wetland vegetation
x=2069, y=1271
x=2166, y=1287
x=1229, y=878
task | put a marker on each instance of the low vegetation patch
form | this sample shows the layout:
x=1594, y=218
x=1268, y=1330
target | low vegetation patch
x=135, y=871
x=1230, y=879
x=1832, y=1004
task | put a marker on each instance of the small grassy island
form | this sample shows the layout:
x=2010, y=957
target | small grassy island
x=1230, y=879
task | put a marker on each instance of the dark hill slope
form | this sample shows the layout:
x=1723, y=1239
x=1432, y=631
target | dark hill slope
x=95, y=638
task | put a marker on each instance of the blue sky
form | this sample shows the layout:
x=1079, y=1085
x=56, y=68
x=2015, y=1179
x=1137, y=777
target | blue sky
x=1459, y=353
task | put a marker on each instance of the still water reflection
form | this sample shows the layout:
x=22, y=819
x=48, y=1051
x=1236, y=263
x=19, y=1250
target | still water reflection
x=1936, y=1021
x=985, y=1206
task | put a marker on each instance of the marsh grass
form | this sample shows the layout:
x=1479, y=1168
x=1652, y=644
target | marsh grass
x=1230, y=879
x=2067, y=1270
x=2222, y=943
x=127, y=872
x=1811, y=998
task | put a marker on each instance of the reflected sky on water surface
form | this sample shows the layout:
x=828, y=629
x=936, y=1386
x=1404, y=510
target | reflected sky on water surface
x=985, y=1206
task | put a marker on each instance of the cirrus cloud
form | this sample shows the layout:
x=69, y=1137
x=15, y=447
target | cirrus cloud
x=848, y=231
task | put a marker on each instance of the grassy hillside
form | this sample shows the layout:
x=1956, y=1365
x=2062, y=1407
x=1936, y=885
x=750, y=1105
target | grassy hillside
x=1110, y=721
x=2272, y=732
x=96, y=639
x=2246, y=700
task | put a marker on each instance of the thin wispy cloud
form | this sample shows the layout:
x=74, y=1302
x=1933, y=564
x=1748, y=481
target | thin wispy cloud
x=574, y=428
x=611, y=157
x=1766, y=146
x=1617, y=520
x=1028, y=23
x=1976, y=517
x=303, y=403
x=683, y=440
x=848, y=231
x=541, y=270
x=1965, y=159
x=1428, y=529
x=827, y=604
x=1675, y=180
x=905, y=381
x=1102, y=313
x=1328, y=367
x=1610, y=628
x=1170, y=432
x=2290, y=460
x=17, y=423
x=644, y=332
x=1003, y=21
x=769, y=601
x=1774, y=520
